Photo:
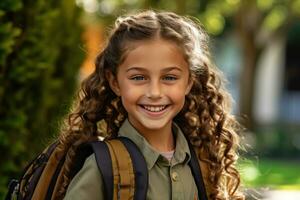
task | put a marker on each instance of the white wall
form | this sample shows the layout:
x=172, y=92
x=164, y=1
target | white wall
x=269, y=82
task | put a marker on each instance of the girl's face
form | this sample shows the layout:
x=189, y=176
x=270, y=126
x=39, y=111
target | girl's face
x=152, y=83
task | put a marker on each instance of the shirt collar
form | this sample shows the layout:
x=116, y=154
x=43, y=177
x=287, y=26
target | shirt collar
x=182, y=152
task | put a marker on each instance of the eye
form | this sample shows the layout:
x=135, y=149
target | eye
x=137, y=78
x=170, y=78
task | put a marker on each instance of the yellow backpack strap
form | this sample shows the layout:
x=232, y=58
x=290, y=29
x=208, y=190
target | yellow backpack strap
x=115, y=172
x=124, y=180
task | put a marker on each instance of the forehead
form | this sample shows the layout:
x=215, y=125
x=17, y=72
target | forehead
x=153, y=54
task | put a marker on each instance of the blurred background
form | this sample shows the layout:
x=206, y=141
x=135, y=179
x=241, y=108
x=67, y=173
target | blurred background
x=48, y=47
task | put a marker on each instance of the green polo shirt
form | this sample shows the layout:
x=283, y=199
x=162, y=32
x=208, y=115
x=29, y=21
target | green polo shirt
x=167, y=180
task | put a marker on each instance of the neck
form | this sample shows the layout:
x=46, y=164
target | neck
x=161, y=140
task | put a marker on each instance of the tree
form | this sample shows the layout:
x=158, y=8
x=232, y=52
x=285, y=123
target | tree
x=39, y=60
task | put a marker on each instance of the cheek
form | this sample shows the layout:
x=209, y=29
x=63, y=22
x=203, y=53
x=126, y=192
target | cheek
x=129, y=93
x=177, y=96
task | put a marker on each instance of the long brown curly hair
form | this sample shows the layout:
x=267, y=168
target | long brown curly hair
x=205, y=117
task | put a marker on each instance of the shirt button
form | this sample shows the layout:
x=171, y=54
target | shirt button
x=174, y=176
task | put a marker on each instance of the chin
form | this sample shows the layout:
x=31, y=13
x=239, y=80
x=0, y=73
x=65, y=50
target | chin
x=155, y=125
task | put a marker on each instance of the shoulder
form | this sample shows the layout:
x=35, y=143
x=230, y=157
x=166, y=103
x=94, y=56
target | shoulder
x=89, y=168
x=87, y=183
x=90, y=161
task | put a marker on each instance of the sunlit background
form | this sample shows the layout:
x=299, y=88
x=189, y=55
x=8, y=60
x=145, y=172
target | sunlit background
x=47, y=48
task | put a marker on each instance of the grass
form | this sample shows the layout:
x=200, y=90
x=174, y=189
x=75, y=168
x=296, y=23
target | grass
x=275, y=174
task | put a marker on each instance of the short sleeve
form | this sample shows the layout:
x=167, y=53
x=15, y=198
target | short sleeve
x=87, y=184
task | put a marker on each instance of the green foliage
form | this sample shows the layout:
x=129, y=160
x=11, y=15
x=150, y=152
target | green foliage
x=8, y=34
x=278, y=140
x=40, y=56
x=271, y=15
x=215, y=15
x=277, y=174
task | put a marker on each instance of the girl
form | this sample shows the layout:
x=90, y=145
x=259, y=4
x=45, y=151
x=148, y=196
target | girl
x=154, y=82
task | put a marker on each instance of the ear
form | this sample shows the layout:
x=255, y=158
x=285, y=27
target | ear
x=113, y=82
x=189, y=86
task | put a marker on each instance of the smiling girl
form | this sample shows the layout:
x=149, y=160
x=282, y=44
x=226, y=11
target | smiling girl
x=155, y=83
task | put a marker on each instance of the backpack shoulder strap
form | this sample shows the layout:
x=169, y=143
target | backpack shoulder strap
x=123, y=170
x=104, y=163
x=107, y=151
x=139, y=167
x=196, y=171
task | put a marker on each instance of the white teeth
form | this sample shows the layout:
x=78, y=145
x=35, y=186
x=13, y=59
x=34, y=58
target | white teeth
x=154, y=108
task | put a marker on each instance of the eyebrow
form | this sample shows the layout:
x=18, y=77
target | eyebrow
x=163, y=70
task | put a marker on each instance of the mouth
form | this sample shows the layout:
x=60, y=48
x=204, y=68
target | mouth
x=154, y=109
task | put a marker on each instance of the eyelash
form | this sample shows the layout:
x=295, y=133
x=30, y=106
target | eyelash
x=140, y=78
x=137, y=78
x=170, y=78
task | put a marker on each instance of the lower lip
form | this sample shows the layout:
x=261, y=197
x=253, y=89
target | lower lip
x=155, y=114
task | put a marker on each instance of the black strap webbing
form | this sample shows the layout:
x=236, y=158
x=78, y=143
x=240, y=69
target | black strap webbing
x=196, y=171
x=104, y=163
x=139, y=167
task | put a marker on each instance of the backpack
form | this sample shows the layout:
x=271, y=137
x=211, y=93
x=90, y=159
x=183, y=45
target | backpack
x=122, y=179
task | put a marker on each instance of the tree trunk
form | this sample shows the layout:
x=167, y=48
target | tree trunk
x=247, y=24
x=247, y=79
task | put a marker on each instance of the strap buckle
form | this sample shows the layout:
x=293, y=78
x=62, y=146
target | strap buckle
x=122, y=186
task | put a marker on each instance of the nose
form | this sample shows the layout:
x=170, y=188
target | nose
x=154, y=90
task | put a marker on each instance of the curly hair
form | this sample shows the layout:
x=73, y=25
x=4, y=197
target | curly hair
x=205, y=118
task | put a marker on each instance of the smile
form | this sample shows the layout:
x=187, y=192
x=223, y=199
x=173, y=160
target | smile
x=154, y=108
